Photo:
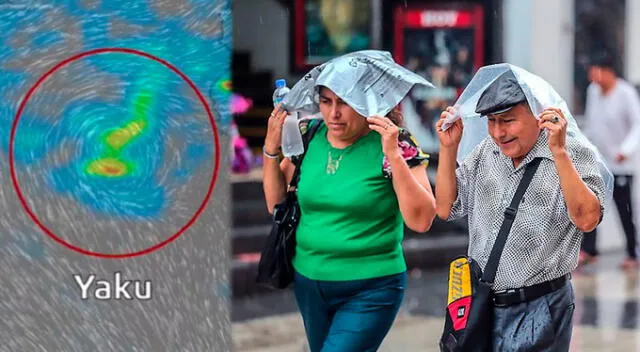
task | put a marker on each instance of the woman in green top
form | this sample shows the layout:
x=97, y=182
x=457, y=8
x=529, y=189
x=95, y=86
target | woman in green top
x=361, y=180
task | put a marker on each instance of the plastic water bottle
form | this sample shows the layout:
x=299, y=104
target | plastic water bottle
x=280, y=92
x=291, y=137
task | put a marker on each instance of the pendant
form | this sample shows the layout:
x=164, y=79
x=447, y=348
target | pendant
x=332, y=165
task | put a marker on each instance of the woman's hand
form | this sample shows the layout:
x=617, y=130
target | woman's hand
x=389, y=133
x=273, y=139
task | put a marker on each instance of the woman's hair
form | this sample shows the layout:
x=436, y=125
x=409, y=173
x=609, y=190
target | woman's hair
x=396, y=116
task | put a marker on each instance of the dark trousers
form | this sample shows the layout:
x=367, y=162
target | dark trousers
x=544, y=324
x=345, y=316
x=622, y=197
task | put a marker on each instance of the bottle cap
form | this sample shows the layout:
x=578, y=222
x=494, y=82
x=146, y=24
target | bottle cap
x=281, y=83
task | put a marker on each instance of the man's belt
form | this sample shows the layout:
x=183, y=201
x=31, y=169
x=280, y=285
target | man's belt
x=505, y=298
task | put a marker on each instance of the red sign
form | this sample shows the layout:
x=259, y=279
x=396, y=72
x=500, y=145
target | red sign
x=469, y=17
x=438, y=18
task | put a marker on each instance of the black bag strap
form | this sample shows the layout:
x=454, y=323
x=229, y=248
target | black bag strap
x=297, y=160
x=491, y=268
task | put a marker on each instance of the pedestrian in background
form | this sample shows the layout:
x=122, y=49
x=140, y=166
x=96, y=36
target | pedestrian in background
x=612, y=118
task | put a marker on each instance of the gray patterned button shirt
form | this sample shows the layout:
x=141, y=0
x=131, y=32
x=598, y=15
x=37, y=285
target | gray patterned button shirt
x=543, y=244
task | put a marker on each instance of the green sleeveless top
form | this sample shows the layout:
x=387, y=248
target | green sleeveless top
x=350, y=225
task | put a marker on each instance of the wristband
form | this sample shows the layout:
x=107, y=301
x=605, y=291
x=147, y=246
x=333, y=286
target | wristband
x=270, y=156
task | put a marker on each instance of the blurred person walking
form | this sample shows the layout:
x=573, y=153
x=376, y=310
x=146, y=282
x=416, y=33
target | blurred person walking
x=612, y=118
x=361, y=179
x=517, y=129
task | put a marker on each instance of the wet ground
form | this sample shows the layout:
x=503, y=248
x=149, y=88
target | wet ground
x=606, y=316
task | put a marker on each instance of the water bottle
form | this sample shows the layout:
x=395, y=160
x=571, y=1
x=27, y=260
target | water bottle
x=291, y=137
x=280, y=92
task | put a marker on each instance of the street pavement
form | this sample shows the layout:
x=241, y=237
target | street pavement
x=606, y=317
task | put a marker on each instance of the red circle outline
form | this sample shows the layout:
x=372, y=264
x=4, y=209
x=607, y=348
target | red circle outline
x=79, y=56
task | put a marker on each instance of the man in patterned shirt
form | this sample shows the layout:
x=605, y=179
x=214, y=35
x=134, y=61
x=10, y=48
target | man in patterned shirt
x=533, y=295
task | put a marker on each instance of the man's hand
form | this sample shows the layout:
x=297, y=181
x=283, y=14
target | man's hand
x=582, y=204
x=452, y=136
x=554, y=121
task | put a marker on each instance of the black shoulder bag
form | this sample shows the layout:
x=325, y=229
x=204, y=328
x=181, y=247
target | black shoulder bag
x=469, y=314
x=275, y=269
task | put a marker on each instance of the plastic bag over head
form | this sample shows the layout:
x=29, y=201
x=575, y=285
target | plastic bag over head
x=370, y=81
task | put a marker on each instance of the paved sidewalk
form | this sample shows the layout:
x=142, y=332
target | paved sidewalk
x=284, y=334
x=607, y=315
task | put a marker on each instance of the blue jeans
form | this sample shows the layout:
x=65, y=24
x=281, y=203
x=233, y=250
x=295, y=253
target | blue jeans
x=345, y=316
